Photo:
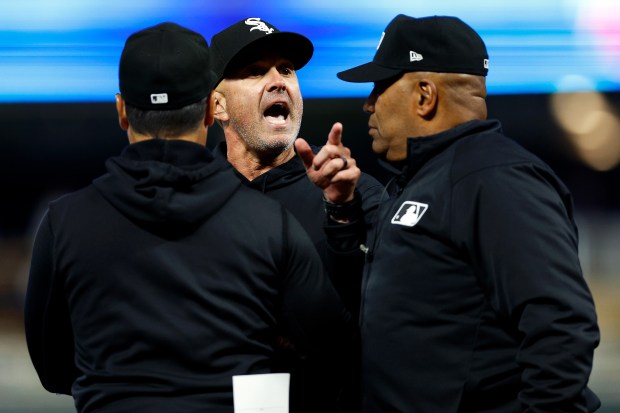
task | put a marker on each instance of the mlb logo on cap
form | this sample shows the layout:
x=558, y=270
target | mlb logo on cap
x=159, y=98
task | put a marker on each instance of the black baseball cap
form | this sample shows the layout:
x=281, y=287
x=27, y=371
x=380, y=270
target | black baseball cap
x=249, y=38
x=165, y=67
x=426, y=44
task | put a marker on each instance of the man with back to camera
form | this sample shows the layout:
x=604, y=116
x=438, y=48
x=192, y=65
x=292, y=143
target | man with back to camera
x=259, y=106
x=473, y=295
x=152, y=287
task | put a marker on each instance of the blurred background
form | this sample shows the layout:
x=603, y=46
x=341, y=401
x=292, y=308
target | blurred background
x=553, y=82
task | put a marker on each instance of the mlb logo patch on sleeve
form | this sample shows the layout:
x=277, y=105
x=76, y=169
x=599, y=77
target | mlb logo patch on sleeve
x=409, y=213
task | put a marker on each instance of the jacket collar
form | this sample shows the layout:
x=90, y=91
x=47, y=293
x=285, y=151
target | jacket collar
x=421, y=150
x=277, y=177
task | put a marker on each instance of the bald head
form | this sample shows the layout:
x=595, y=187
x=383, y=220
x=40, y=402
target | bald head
x=417, y=104
x=446, y=100
x=465, y=95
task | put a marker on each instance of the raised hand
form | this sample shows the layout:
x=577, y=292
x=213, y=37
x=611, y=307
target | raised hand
x=332, y=169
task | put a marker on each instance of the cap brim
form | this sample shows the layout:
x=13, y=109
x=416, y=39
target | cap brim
x=297, y=48
x=369, y=72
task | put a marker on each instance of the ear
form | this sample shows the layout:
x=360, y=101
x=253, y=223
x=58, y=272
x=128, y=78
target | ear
x=220, y=111
x=209, y=117
x=427, y=98
x=122, y=115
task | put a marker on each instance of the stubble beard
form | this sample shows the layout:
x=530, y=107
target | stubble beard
x=266, y=147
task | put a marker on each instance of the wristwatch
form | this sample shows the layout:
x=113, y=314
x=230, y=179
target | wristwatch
x=346, y=211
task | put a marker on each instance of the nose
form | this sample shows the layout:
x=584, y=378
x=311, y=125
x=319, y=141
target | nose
x=276, y=81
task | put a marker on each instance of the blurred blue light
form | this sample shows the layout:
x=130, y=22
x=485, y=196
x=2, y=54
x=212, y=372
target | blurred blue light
x=68, y=50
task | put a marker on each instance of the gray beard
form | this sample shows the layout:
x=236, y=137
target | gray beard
x=264, y=147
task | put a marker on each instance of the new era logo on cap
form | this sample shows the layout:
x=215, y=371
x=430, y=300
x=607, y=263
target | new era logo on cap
x=415, y=57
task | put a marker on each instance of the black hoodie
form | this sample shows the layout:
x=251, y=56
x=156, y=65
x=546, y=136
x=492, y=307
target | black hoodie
x=152, y=287
x=317, y=383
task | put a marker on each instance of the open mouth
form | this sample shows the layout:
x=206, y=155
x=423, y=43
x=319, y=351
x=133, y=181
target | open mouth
x=277, y=113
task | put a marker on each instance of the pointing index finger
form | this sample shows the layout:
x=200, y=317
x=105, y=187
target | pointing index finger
x=335, y=135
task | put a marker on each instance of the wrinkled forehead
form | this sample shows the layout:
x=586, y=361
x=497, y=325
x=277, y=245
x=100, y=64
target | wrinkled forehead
x=257, y=56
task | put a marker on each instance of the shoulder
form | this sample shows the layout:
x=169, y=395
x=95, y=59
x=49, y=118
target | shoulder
x=77, y=199
x=368, y=183
x=501, y=172
x=489, y=152
x=371, y=190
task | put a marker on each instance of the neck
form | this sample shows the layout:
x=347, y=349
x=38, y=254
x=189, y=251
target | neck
x=252, y=164
x=196, y=137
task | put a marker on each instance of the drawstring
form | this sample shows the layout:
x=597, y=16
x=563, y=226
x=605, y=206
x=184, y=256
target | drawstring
x=264, y=188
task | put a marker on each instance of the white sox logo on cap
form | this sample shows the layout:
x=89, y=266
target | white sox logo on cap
x=258, y=25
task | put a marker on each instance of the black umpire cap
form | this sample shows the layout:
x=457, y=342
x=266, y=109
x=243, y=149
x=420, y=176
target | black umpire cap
x=426, y=44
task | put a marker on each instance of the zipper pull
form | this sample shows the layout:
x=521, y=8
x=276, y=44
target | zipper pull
x=367, y=252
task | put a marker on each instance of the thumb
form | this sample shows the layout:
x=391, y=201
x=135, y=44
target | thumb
x=304, y=151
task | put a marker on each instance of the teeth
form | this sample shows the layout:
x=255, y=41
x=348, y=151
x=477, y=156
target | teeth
x=277, y=112
x=275, y=115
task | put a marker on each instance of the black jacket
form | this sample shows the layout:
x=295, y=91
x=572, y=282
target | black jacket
x=473, y=295
x=289, y=184
x=152, y=287
x=317, y=382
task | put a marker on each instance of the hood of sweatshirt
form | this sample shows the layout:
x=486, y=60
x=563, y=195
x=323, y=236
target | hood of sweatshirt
x=167, y=183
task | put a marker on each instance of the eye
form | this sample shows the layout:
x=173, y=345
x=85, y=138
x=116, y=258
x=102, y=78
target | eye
x=249, y=70
x=382, y=85
x=286, y=70
x=254, y=70
x=379, y=88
